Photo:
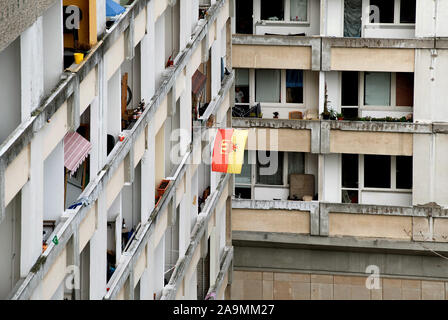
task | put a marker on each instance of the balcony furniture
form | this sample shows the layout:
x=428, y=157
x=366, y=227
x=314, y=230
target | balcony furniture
x=295, y=115
x=301, y=185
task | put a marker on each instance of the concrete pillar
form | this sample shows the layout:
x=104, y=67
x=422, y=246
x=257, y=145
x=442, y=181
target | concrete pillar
x=32, y=208
x=32, y=67
x=53, y=46
x=98, y=250
x=430, y=83
x=430, y=174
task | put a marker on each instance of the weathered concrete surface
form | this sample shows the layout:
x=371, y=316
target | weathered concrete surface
x=17, y=16
x=267, y=252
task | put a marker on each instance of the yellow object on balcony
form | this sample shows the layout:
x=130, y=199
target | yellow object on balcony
x=78, y=57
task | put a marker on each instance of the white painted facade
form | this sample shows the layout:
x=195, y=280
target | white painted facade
x=33, y=65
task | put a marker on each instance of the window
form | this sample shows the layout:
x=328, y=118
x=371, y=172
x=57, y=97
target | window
x=394, y=11
x=352, y=18
x=404, y=173
x=389, y=89
x=349, y=94
x=246, y=171
x=361, y=173
x=272, y=10
x=405, y=89
x=407, y=11
x=385, y=9
x=296, y=163
x=243, y=19
x=277, y=166
x=350, y=178
x=294, y=86
x=267, y=85
x=377, y=88
x=298, y=10
x=350, y=171
x=242, y=85
x=377, y=171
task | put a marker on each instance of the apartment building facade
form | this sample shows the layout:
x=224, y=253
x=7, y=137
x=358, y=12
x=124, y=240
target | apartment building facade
x=347, y=99
x=109, y=111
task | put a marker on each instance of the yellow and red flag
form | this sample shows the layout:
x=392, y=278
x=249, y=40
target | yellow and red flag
x=228, y=150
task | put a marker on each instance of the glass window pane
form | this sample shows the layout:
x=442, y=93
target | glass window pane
x=267, y=85
x=352, y=18
x=242, y=85
x=296, y=163
x=349, y=196
x=405, y=89
x=276, y=162
x=407, y=11
x=404, y=172
x=243, y=192
x=272, y=10
x=349, y=93
x=294, y=86
x=386, y=10
x=349, y=170
x=376, y=171
x=377, y=89
x=298, y=10
x=246, y=171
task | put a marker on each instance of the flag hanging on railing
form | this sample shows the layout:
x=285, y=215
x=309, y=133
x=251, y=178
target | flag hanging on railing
x=228, y=150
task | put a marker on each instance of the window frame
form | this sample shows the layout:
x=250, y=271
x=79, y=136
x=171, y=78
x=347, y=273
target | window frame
x=287, y=15
x=393, y=179
x=252, y=93
x=397, y=17
x=252, y=160
x=361, y=89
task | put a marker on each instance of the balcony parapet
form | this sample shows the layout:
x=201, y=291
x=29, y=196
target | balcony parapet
x=225, y=266
x=216, y=102
x=332, y=136
x=200, y=228
x=325, y=219
x=130, y=257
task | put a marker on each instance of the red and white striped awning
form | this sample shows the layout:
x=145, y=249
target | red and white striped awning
x=76, y=149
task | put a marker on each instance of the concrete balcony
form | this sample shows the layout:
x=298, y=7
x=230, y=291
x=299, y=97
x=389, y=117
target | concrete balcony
x=327, y=136
x=328, y=53
x=276, y=52
x=351, y=225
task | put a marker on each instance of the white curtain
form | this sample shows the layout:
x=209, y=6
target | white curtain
x=298, y=9
x=267, y=85
x=377, y=89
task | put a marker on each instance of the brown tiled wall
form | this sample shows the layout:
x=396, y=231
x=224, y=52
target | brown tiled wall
x=251, y=285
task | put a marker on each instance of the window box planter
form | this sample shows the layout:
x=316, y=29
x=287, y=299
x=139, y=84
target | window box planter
x=162, y=187
x=157, y=201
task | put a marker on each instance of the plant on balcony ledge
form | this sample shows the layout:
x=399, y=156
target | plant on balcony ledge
x=408, y=118
x=340, y=116
x=327, y=114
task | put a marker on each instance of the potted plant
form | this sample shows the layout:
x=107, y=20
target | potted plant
x=333, y=114
x=326, y=114
x=162, y=187
x=340, y=116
